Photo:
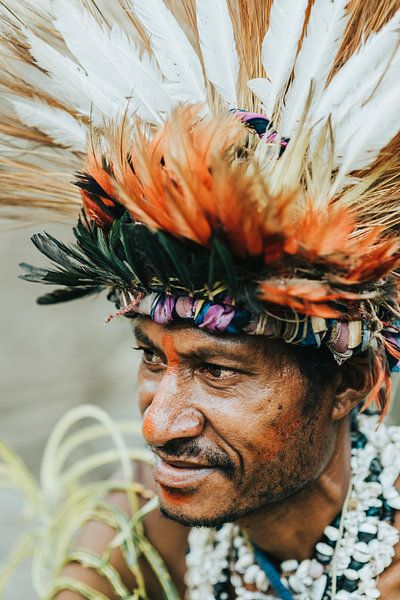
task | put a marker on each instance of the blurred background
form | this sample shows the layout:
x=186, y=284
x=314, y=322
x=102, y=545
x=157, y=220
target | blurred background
x=52, y=359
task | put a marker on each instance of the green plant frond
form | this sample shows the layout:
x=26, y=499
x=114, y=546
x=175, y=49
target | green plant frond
x=67, y=583
x=21, y=551
x=49, y=473
x=157, y=565
x=65, y=502
x=100, y=459
x=137, y=518
x=91, y=560
x=90, y=434
x=19, y=477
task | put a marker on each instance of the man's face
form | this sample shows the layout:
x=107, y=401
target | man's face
x=226, y=418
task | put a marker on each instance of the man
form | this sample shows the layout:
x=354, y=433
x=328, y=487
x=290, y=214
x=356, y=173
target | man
x=245, y=431
x=260, y=267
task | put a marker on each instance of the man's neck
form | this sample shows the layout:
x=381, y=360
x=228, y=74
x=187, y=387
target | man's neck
x=290, y=529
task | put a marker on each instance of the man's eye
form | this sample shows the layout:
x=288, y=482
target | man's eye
x=150, y=357
x=216, y=371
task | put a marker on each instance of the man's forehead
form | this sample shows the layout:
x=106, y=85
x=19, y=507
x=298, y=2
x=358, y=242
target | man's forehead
x=193, y=340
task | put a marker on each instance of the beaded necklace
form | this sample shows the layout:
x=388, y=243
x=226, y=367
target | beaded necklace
x=354, y=549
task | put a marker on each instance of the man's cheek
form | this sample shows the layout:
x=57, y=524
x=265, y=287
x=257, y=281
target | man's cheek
x=263, y=441
x=146, y=389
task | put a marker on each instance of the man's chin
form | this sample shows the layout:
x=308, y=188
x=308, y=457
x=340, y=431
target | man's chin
x=192, y=513
x=190, y=521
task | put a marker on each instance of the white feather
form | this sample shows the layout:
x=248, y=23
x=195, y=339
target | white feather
x=280, y=48
x=218, y=47
x=175, y=55
x=261, y=88
x=371, y=129
x=345, y=116
x=28, y=74
x=325, y=30
x=67, y=81
x=57, y=124
x=111, y=61
x=35, y=12
x=146, y=76
x=361, y=72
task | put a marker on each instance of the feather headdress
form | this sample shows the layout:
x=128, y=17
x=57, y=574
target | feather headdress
x=237, y=163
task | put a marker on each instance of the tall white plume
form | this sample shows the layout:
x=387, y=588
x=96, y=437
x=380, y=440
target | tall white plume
x=34, y=12
x=57, y=124
x=280, y=49
x=15, y=69
x=261, y=88
x=345, y=117
x=370, y=130
x=218, y=47
x=324, y=33
x=111, y=61
x=175, y=55
x=66, y=80
x=147, y=79
x=360, y=74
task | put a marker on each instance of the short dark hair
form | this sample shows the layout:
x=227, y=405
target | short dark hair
x=318, y=367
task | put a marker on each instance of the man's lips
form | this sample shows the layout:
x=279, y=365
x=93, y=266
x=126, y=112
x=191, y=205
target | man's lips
x=180, y=474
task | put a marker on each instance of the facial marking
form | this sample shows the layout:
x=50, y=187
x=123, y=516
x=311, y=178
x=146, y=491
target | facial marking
x=147, y=427
x=169, y=349
x=175, y=496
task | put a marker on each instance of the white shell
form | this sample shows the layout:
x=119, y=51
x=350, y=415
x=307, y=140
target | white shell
x=388, y=455
x=351, y=574
x=362, y=547
x=394, y=503
x=342, y=595
x=332, y=533
x=324, y=549
x=251, y=573
x=303, y=568
x=295, y=583
x=244, y=561
x=316, y=569
x=372, y=593
x=361, y=557
x=289, y=565
x=262, y=581
x=319, y=588
x=368, y=528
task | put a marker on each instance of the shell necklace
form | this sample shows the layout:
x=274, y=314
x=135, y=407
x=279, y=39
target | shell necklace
x=355, y=548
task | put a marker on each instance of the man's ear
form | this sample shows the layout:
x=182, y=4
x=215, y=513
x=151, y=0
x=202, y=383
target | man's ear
x=354, y=384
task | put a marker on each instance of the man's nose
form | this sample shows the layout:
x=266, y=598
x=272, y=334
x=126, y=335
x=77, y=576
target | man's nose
x=169, y=416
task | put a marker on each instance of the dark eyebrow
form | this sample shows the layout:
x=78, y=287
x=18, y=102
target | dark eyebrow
x=204, y=355
x=142, y=337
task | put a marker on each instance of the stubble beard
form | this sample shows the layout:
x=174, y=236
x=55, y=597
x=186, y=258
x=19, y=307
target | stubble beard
x=255, y=502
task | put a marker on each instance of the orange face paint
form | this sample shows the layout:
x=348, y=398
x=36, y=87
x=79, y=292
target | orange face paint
x=173, y=496
x=148, y=427
x=170, y=351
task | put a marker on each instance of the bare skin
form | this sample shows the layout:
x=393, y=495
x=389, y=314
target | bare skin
x=236, y=438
